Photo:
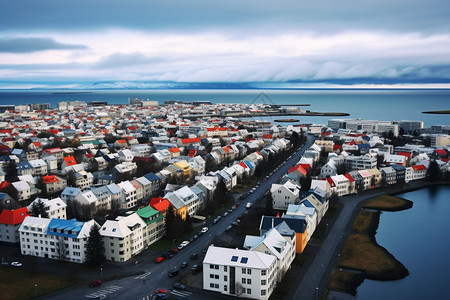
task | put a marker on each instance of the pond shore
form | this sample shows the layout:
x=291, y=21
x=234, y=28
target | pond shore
x=361, y=256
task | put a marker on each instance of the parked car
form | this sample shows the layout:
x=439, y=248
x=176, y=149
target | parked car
x=195, y=236
x=225, y=214
x=234, y=223
x=179, y=286
x=160, y=291
x=229, y=227
x=159, y=259
x=183, y=264
x=195, y=269
x=173, y=272
x=173, y=251
x=194, y=255
x=248, y=205
x=95, y=282
x=167, y=255
x=204, y=229
x=16, y=264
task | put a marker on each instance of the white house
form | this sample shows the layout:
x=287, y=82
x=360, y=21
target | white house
x=123, y=238
x=341, y=184
x=129, y=192
x=284, y=194
x=242, y=273
x=55, y=238
x=56, y=208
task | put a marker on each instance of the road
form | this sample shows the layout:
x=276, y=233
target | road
x=155, y=274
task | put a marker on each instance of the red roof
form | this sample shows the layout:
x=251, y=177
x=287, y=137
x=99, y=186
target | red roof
x=440, y=152
x=419, y=168
x=226, y=149
x=174, y=150
x=4, y=184
x=337, y=147
x=407, y=154
x=161, y=206
x=349, y=177
x=331, y=182
x=50, y=179
x=298, y=168
x=267, y=136
x=70, y=160
x=13, y=217
x=305, y=166
x=242, y=164
x=190, y=141
x=192, y=153
x=53, y=150
x=122, y=141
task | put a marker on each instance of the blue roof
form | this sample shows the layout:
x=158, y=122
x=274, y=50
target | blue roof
x=248, y=164
x=70, y=191
x=24, y=165
x=66, y=228
x=363, y=146
x=296, y=223
x=151, y=177
x=398, y=167
x=308, y=204
x=113, y=188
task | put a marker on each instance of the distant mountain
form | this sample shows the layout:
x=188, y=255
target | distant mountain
x=136, y=85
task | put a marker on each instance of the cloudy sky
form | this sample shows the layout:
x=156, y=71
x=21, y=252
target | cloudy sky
x=55, y=43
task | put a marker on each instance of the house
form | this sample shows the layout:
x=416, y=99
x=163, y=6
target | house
x=55, y=208
x=359, y=181
x=296, y=223
x=10, y=221
x=284, y=194
x=275, y=244
x=56, y=152
x=325, y=145
x=328, y=169
x=341, y=184
x=174, y=152
x=154, y=221
x=376, y=177
x=123, y=237
x=145, y=185
x=23, y=190
x=389, y=175
x=126, y=168
x=125, y=155
x=55, y=238
x=120, y=144
x=185, y=201
x=52, y=163
x=68, y=161
x=299, y=171
x=54, y=184
x=415, y=172
x=367, y=179
x=129, y=194
x=83, y=179
x=250, y=274
x=393, y=159
x=156, y=182
x=103, y=196
x=400, y=173
x=351, y=184
x=316, y=198
x=308, y=212
x=360, y=162
x=141, y=150
x=184, y=166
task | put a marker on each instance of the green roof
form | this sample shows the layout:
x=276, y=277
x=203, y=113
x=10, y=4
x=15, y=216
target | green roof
x=94, y=142
x=149, y=214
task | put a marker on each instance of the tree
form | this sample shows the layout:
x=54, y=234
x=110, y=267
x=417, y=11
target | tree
x=71, y=178
x=434, y=172
x=38, y=209
x=95, y=249
x=11, y=171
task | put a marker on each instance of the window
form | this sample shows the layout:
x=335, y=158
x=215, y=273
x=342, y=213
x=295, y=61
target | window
x=249, y=291
x=211, y=275
x=211, y=266
x=244, y=260
x=225, y=288
x=263, y=282
x=234, y=258
x=225, y=268
x=244, y=281
x=263, y=292
x=225, y=278
x=244, y=271
x=249, y=271
x=211, y=285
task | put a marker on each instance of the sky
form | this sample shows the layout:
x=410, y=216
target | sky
x=292, y=43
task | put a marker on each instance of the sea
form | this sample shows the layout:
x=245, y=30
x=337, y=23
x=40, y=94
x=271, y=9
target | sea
x=368, y=104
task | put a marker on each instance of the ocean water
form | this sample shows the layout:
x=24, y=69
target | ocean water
x=385, y=105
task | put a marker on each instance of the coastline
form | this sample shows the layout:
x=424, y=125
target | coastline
x=347, y=277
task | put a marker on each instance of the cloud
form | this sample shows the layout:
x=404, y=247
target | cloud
x=31, y=44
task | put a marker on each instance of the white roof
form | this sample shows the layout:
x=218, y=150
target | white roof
x=21, y=185
x=34, y=222
x=37, y=163
x=223, y=256
x=121, y=226
x=126, y=186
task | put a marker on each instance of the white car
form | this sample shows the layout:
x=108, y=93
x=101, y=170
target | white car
x=16, y=264
x=184, y=244
x=248, y=205
x=204, y=229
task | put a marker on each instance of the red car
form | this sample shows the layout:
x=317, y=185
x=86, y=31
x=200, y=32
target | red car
x=95, y=282
x=159, y=259
x=173, y=251
x=160, y=291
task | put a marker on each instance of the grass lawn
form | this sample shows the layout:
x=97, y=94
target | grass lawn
x=16, y=283
x=345, y=282
x=388, y=203
x=283, y=287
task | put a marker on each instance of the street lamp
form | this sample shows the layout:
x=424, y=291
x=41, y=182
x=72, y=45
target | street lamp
x=317, y=292
x=101, y=273
x=35, y=289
